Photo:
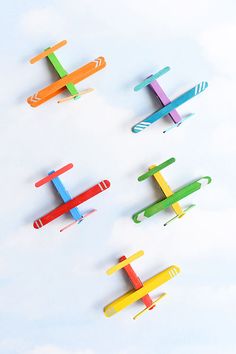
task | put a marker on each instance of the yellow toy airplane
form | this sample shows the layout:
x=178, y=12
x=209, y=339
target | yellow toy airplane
x=141, y=290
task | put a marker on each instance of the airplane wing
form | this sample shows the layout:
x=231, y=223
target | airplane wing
x=66, y=207
x=135, y=295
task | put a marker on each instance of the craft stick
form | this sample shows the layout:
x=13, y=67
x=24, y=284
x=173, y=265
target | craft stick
x=80, y=93
x=62, y=100
x=174, y=115
x=136, y=282
x=65, y=196
x=78, y=221
x=178, y=124
x=48, y=51
x=156, y=169
x=196, y=90
x=71, y=224
x=167, y=202
x=151, y=78
x=148, y=308
x=181, y=215
x=166, y=190
x=135, y=295
x=53, y=175
x=126, y=261
x=62, y=73
x=65, y=208
x=59, y=86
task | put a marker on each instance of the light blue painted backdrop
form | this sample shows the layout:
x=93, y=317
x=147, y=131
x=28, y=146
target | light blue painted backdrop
x=53, y=286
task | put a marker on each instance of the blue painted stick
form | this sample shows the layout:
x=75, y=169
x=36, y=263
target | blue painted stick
x=168, y=108
x=65, y=196
x=151, y=78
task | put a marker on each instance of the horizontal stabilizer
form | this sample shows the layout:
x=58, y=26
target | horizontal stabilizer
x=124, y=263
x=47, y=52
x=53, y=175
x=156, y=169
x=151, y=78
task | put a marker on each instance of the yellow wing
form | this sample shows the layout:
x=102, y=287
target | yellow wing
x=124, y=263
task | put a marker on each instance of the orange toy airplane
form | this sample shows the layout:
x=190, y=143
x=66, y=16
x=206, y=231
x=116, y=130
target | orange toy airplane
x=66, y=81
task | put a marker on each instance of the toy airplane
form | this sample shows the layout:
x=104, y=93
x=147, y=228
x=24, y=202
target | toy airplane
x=66, y=81
x=69, y=204
x=141, y=290
x=171, y=198
x=169, y=107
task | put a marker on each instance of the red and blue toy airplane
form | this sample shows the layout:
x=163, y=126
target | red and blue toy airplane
x=69, y=204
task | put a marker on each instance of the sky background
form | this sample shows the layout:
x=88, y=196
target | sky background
x=53, y=286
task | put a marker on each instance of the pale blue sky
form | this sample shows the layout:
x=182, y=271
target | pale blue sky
x=53, y=286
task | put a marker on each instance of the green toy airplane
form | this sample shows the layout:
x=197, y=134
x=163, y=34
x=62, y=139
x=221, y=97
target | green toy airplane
x=172, y=198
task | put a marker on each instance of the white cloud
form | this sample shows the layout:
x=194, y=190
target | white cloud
x=219, y=49
x=175, y=20
x=94, y=133
x=42, y=22
x=49, y=349
x=196, y=349
x=199, y=235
